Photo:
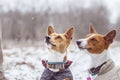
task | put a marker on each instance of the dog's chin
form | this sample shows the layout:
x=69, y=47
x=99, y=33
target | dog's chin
x=49, y=45
x=83, y=48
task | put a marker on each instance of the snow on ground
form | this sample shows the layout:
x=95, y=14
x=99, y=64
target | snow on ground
x=24, y=63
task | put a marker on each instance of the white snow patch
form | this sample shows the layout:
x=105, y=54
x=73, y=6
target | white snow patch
x=25, y=63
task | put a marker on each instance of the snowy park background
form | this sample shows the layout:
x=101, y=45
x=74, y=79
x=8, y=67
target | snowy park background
x=24, y=23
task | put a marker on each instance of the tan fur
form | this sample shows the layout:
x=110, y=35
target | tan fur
x=92, y=29
x=60, y=41
x=98, y=43
x=50, y=30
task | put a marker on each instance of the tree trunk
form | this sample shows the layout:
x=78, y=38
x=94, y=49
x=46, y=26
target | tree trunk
x=2, y=77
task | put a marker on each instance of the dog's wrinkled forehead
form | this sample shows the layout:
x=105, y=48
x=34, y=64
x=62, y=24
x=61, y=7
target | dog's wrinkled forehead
x=94, y=36
x=57, y=36
x=53, y=35
x=88, y=35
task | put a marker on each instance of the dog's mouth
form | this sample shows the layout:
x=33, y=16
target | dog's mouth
x=49, y=43
x=52, y=44
x=83, y=48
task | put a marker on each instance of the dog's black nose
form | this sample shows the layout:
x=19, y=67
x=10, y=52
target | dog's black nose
x=78, y=42
x=47, y=38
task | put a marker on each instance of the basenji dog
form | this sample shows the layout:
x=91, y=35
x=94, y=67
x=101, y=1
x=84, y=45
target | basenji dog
x=57, y=65
x=97, y=46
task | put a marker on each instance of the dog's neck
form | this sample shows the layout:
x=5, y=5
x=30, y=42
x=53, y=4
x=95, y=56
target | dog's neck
x=55, y=56
x=98, y=59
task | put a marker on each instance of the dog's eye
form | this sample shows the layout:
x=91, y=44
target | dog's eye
x=93, y=39
x=58, y=37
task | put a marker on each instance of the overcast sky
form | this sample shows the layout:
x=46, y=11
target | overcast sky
x=62, y=5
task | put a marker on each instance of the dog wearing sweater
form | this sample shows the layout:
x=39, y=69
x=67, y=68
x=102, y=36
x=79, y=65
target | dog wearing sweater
x=57, y=65
x=97, y=45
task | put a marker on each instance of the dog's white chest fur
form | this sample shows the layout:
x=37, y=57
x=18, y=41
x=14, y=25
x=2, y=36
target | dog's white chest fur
x=54, y=56
x=98, y=59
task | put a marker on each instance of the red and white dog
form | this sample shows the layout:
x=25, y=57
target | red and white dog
x=57, y=65
x=97, y=45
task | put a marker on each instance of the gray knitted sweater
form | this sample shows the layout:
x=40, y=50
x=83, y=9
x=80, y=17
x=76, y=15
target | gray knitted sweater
x=109, y=72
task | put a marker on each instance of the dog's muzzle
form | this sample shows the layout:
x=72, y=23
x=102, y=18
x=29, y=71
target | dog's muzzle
x=47, y=39
x=78, y=42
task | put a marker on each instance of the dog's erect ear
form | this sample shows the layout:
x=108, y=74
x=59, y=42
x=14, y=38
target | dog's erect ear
x=50, y=30
x=92, y=29
x=110, y=36
x=69, y=33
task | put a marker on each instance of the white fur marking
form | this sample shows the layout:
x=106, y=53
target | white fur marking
x=98, y=59
x=84, y=42
x=55, y=57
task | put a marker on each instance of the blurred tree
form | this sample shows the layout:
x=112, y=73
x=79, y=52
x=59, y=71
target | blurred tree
x=32, y=25
x=98, y=16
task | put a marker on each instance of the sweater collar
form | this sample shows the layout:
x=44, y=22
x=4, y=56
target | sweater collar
x=103, y=68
